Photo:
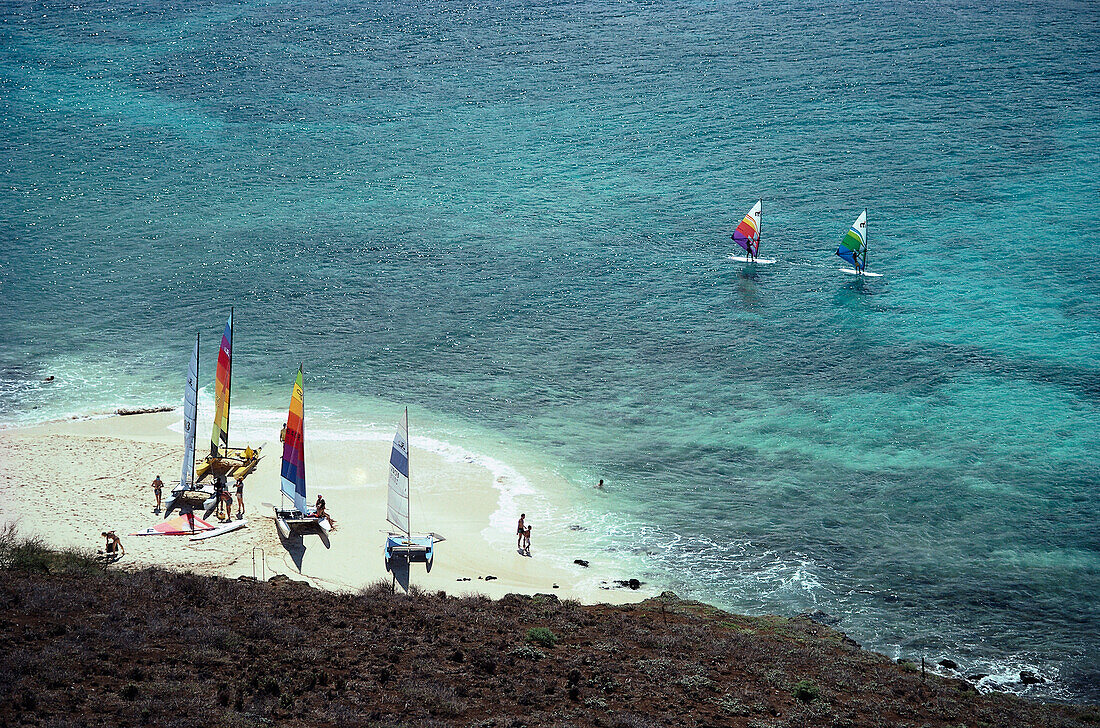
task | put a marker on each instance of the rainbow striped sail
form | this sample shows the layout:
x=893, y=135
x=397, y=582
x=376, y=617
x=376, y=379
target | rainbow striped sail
x=219, y=439
x=853, y=248
x=747, y=234
x=294, y=454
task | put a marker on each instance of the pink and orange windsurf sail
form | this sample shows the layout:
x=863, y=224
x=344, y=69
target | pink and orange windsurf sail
x=219, y=439
x=293, y=475
x=747, y=234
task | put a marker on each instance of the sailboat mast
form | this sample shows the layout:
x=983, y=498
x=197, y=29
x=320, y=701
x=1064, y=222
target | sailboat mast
x=196, y=424
x=408, y=455
x=229, y=382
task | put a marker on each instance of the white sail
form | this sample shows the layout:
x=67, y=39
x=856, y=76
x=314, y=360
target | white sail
x=190, y=415
x=397, y=506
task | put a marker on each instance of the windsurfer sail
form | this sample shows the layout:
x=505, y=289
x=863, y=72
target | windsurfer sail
x=853, y=248
x=747, y=235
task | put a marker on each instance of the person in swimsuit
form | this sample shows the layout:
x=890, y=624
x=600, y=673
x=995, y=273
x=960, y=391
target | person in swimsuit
x=227, y=502
x=157, y=485
x=114, y=547
x=527, y=541
x=520, y=531
x=240, y=497
x=282, y=433
x=319, y=511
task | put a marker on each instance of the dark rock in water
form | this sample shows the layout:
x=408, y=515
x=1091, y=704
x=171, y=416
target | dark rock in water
x=490, y=578
x=141, y=410
x=1027, y=677
x=48, y=379
x=556, y=586
x=820, y=617
x=949, y=664
x=577, y=527
x=890, y=598
x=628, y=584
x=977, y=677
x=580, y=562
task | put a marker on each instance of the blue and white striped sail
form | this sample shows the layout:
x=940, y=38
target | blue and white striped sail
x=190, y=417
x=397, y=505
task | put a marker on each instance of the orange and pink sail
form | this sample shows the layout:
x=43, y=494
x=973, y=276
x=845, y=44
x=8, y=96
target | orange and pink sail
x=747, y=234
x=219, y=439
x=293, y=475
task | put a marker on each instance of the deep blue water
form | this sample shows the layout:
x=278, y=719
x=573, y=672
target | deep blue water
x=517, y=216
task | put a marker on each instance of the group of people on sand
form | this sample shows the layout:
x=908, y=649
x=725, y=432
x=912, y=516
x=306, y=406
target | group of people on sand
x=224, y=499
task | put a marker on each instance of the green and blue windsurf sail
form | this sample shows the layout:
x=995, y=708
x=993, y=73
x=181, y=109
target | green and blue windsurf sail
x=853, y=248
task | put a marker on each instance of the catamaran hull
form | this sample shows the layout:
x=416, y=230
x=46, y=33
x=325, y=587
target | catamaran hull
x=854, y=272
x=194, y=497
x=746, y=259
x=232, y=466
x=417, y=548
x=288, y=522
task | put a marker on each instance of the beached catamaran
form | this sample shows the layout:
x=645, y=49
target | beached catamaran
x=187, y=489
x=293, y=477
x=853, y=248
x=223, y=460
x=403, y=545
x=747, y=235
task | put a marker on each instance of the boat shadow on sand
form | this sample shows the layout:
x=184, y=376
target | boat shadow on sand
x=295, y=545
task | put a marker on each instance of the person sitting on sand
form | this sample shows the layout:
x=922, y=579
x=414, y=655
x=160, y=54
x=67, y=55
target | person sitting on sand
x=114, y=547
x=157, y=485
x=240, y=497
x=520, y=531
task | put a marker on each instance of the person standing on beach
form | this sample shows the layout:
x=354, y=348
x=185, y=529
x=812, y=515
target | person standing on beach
x=157, y=486
x=240, y=497
x=282, y=434
x=520, y=531
x=527, y=541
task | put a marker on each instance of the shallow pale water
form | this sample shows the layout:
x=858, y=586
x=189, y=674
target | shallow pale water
x=515, y=218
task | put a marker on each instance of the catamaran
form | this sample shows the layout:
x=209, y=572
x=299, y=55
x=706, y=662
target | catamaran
x=293, y=478
x=403, y=544
x=224, y=461
x=853, y=248
x=187, y=489
x=747, y=235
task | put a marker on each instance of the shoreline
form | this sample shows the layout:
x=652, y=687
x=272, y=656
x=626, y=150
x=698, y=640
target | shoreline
x=67, y=480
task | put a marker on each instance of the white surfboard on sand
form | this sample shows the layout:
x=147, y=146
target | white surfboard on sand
x=219, y=530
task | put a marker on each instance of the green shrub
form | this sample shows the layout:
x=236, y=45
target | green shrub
x=542, y=636
x=806, y=691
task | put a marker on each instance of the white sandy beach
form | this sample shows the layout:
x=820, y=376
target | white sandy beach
x=68, y=481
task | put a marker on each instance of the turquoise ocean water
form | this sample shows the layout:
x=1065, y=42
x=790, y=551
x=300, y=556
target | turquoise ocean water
x=515, y=218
